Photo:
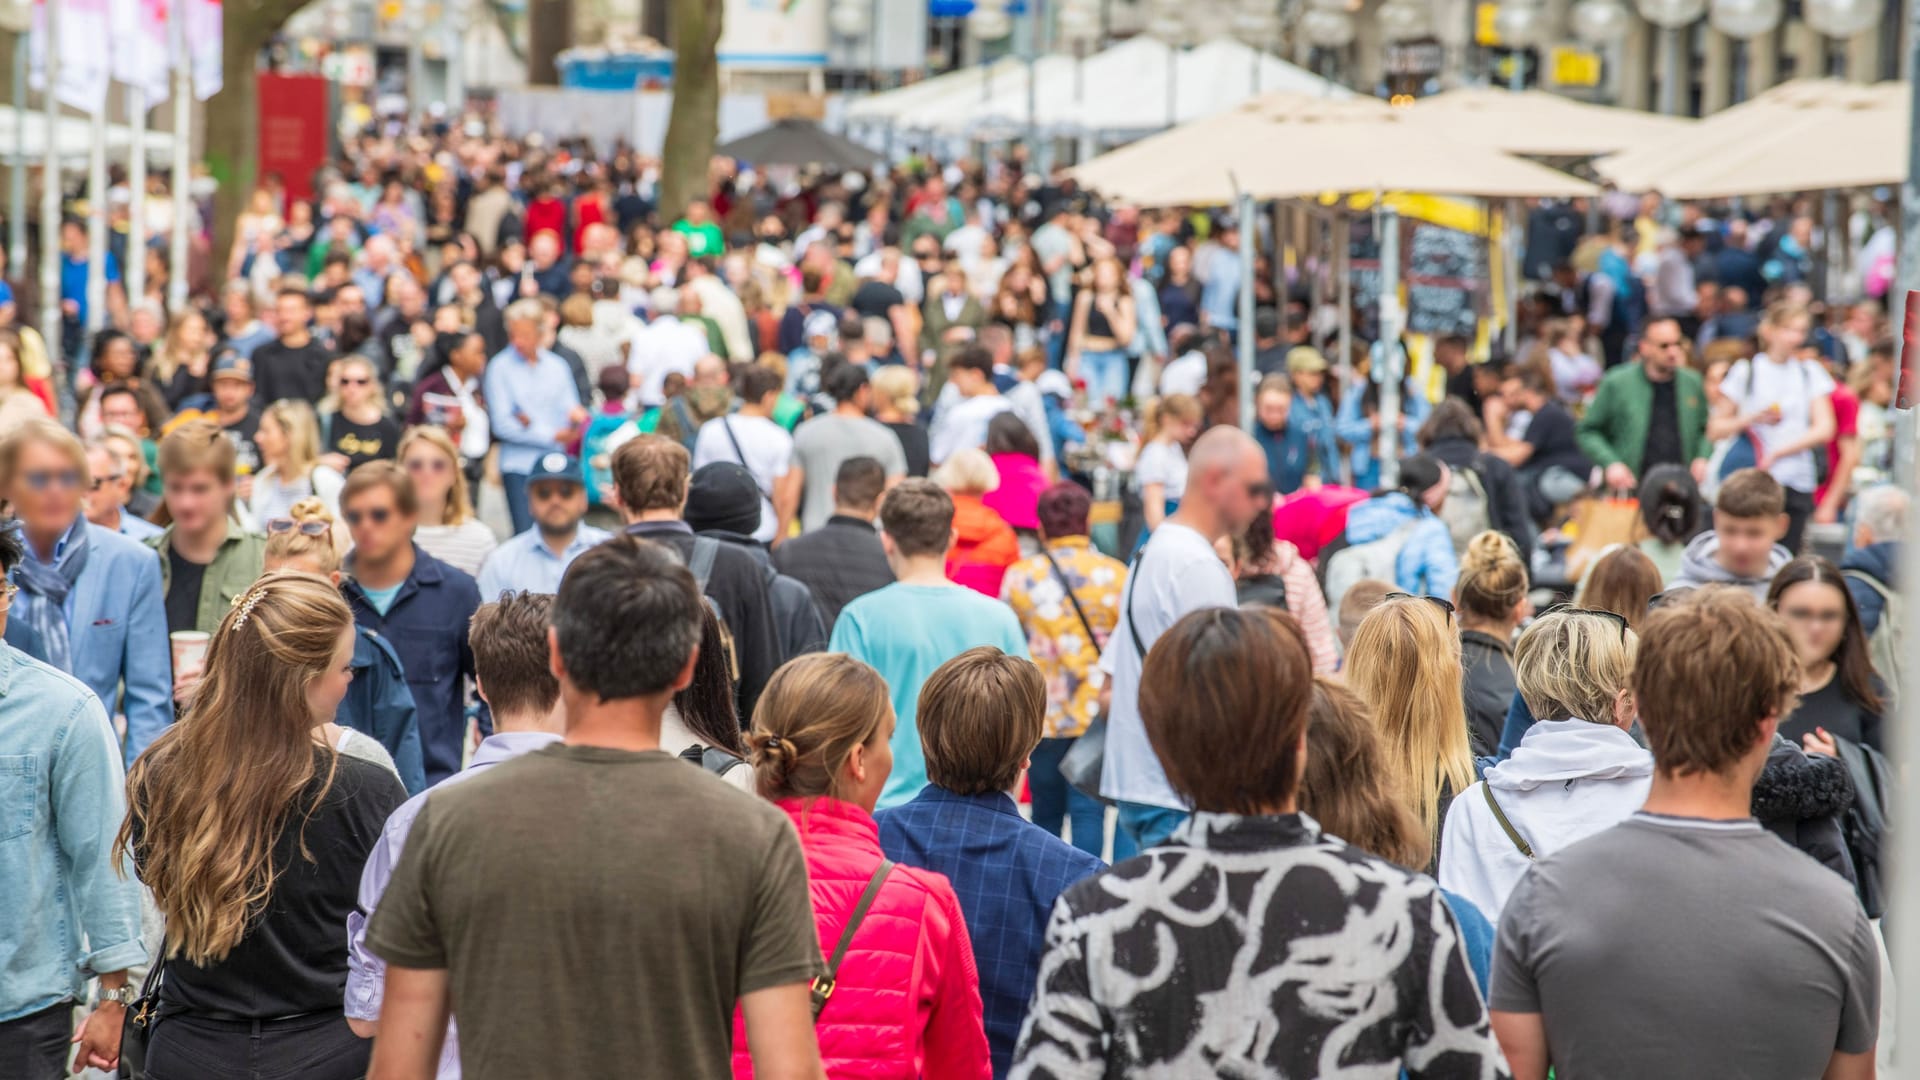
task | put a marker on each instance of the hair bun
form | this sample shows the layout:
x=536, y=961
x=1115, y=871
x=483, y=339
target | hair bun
x=774, y=752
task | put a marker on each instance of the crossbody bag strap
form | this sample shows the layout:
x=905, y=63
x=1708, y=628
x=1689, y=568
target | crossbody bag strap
x=1133, y=568
x=1506, y=826
x=1072, y=599
x=726, y=423
x=822, y=986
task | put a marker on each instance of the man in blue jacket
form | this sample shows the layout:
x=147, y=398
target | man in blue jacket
x=419, y=604
x=90, y=601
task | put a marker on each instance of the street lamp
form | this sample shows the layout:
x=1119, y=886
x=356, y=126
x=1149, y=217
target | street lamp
x=1520, y=24
x=1671, y=16
x=1841, y=19
x=1256, y=24
x=1078, y=22
x=988, y=22
x=1327, y=25
x=1169, y=24
x=1599, y=22
x=851, y=20
x=1403, y=20
x=1744, y=19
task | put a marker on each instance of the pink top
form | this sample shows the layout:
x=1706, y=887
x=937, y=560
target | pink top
x=906, y=1003
x=1017, y=499
x=1310, y=520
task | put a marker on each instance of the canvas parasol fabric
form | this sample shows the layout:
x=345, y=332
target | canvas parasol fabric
x=799, y=143
x=1536, y=123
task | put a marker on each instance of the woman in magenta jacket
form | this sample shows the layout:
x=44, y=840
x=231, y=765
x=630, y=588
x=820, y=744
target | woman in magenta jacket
x=906, y=998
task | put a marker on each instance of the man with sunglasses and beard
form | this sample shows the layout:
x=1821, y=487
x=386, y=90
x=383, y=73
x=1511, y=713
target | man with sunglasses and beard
x=418, y=603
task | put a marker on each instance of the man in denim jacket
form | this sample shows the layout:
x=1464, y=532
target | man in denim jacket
x=71, y=914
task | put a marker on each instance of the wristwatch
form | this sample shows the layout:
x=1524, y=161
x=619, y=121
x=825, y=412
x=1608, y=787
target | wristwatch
x=122, y=996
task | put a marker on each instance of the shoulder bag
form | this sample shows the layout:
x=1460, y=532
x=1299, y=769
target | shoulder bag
x=136, y=1029
x=1085, y=760
x=1506, y=826
x=822, y=985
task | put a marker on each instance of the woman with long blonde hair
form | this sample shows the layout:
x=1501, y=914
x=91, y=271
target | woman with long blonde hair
x=448, y=529
x=906, y=1001
x=180, y=365
x=290, y=470
x=1405, y=664
x=251, y=831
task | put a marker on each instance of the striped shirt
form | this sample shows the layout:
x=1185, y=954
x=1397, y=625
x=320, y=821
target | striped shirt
x=464, y=546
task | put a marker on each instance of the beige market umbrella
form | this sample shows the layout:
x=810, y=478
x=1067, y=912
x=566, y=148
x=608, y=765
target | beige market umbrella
x=1809, y=135
x=1286, y=146
x=1540, y=124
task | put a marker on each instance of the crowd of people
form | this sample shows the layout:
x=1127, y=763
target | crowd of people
x=843, y=518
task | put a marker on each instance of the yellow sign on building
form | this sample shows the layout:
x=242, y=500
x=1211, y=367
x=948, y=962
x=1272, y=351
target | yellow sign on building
x=1575, y=67
x=1484, y=33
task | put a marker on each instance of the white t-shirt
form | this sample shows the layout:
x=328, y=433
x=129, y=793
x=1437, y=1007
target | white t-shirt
x=963, y=425
x=660, y=348
x=1754, y=385
x=1185, y=375
x=1178, y=573
x=1162, y=463
x=765, y=449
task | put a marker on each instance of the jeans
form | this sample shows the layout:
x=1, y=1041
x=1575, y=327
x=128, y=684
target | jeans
x=34, y=1046
x=1054, y=799
x=318, y=1046
x=1148, y=826
x=1105, y=373
x=515, y=487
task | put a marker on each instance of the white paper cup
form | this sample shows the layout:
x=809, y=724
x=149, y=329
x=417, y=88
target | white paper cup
x=189, y=649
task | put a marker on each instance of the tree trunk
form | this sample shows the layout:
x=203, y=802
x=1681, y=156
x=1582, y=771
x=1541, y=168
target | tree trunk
x=233, y=115
x=695, y=120
x=549, y=30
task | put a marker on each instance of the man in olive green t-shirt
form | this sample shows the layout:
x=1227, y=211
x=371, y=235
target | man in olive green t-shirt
x=598, y=904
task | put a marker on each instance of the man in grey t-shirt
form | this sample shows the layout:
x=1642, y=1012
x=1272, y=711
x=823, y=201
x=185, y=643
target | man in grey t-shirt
x=821, y=444
x=1689, y=941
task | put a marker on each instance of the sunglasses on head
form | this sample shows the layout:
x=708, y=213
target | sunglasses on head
x=42, y=479
x=275, y=526
x=1440, y=602
x=379, y=515
x=1613, y=617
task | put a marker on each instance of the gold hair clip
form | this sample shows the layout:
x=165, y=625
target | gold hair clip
x=246, y=605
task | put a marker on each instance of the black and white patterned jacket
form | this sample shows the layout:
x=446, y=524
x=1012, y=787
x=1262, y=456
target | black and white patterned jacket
x=1255, y=947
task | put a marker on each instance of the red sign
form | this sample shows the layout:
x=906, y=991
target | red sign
x=1906, y=392
x=293, y=129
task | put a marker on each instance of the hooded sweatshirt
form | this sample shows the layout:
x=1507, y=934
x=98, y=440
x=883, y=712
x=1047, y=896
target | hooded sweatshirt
x=1567, y=780
x=1698, y=566
x=1426, y=564
x=1880, y=562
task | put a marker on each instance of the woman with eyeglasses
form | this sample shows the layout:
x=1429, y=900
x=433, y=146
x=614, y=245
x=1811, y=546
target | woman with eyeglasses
x=1405, y=664
x=361, y=429
x=251, y=829
x=1841, y=696
x=1576, y=772
x=376, y=719
x=448, y=528
x=288, y=439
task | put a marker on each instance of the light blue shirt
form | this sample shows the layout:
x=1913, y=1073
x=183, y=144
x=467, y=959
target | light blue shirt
x=62, y=797
x=1220, y=294
x=527, y=405
x=526, y=564
x=382, y=599
x=905, y=632
x=137, y=528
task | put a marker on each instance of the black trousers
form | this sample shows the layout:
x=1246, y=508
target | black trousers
x=316, y=1047
x=1799, y=509
x=35, y=1047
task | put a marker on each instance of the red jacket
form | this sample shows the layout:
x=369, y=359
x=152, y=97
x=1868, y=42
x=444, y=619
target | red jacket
x=983, y=546
x=907, y=1000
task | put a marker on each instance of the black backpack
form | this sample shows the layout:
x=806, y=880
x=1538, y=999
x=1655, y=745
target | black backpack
x=1262, y=590
x=711, y=758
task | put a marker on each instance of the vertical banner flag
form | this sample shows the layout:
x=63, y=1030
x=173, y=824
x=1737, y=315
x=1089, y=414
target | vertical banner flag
x=84, y=63
x=140, y=47
x=204, y=45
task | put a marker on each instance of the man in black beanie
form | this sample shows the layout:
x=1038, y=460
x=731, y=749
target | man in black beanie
x=723, y=503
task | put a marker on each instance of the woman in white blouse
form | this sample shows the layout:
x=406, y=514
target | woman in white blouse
x=448, y=529
x=289, y=443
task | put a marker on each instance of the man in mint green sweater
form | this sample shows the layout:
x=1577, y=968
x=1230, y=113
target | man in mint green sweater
x=1647, y=413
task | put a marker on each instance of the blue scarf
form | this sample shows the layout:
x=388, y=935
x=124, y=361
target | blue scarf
x=48, y=585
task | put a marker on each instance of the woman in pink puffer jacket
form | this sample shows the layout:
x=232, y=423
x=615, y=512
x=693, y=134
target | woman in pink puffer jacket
x=906, y=997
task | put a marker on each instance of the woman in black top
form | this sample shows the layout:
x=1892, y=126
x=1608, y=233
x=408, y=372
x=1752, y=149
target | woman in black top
x=252, y=831
x=1841, y=697
x=361, y=429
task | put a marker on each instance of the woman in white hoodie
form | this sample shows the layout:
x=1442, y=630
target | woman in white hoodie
x=1576, y=772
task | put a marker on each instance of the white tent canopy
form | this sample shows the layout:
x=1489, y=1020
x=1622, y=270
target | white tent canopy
x=1541, y=124
x=73, y=139
x=1122, y=90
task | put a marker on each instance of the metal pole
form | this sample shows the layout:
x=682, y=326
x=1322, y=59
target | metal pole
x=1669, y=71
x=1249, y=244
x=1904, y=884
x=1343, y=259
x=50, y=321
x=179, y=187
x=136, y=268
x=1516, y=71
x=416, y=60
x=1510, y=238
x=1389, y=363
x=457, y=61
x=1173, y=112
x=97, y=221
x=1044, y=152
x=17, y=175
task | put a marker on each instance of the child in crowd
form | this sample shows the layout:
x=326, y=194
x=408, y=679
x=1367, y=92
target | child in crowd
x=1743, y=548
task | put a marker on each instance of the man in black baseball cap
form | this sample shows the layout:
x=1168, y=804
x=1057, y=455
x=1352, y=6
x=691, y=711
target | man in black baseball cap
x=723, y=503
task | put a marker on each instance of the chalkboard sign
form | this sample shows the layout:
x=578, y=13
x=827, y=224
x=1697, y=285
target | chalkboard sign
x=1445, y=273
x=1364, y=269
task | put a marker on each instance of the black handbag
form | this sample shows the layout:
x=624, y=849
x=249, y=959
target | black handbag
x=136, y=1031
x=1084, y=761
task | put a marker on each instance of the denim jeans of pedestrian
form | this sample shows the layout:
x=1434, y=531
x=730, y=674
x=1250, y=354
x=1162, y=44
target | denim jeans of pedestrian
x=1105, y=373
x=319, y=1046
x=1055, y=800
x=515, y=487
x=34, y=1046
x=1147, y=826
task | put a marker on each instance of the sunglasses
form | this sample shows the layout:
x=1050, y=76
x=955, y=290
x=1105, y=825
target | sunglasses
x=1440, y=602
x=1613, y=617
x=102, y=481
x=8, y=590
x=276, y=526
x=1261, y=490
x=355, y=382
x=379, y=516
x=543, y=492
x=432, y=465
x=42, y=479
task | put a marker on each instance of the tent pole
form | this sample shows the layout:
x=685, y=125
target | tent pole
x=1249, y=245
x=136, y=268
x=1389, y=361
x=97, y=221
x=17, y=176
x=1510, y=268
